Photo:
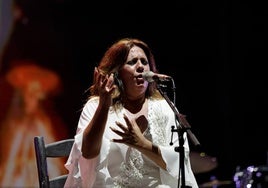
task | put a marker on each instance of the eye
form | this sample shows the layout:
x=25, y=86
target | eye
x=134, y=61
x=131, y=62
x=144, y=62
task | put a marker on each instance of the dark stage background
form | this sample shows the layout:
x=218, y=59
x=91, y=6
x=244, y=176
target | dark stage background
x=215, y=51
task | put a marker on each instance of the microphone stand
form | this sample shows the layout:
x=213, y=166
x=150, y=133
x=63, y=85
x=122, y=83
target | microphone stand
x=185, y=127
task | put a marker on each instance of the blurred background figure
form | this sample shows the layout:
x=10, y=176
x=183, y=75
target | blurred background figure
x=10, y=14
x=30, y=113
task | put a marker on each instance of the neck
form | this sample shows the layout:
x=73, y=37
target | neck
x=134, y=105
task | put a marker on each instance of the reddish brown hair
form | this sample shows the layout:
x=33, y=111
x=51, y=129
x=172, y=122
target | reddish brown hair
x=116, y=56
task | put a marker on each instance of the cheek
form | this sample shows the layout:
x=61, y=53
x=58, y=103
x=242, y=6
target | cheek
x=126, y=72
x=127, y=80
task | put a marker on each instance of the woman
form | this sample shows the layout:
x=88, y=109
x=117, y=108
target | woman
x=124, y=130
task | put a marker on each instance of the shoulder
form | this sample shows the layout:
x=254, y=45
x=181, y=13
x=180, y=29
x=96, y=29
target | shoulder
x=94, y=99
x=159, y=106
x=91, y=104
x=160, y=102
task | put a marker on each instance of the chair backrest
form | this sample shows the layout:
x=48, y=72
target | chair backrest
x=43, y=151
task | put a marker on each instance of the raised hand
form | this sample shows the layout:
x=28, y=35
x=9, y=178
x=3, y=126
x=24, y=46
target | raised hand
x=106, y=86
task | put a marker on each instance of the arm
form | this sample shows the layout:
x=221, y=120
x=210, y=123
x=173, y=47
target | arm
x=152, y=152
x=92, y=135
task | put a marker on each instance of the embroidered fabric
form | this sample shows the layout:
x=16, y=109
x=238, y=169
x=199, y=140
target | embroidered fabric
x=137, y=167
x=132, y=170
x=120, y=166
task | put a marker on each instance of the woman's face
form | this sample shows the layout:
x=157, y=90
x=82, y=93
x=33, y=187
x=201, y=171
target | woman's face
x=131, y=73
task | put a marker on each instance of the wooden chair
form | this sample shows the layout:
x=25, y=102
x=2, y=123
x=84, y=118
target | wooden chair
x=59, y=148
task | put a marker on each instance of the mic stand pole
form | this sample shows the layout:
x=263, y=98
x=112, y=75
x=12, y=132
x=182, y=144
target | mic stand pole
x=185, y=127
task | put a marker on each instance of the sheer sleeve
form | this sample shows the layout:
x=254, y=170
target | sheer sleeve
x=163, y=119
x=80, y=168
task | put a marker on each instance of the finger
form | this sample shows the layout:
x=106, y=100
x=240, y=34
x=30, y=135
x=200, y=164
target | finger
x=104, y=80
x=120, y=133
x=101, y=79
x=112, y=89
x=119, y=140
x=128, y=122
x=127, y=141
x=110, y=80
x=110, y=86
x=125, y=137
x=122, y=127
x=96, y=72
x=97, y=76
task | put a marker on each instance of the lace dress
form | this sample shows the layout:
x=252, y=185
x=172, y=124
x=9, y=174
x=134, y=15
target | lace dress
x=120, y=166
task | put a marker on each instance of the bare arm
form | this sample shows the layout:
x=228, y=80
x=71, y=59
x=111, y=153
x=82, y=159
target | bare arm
x=92, y=136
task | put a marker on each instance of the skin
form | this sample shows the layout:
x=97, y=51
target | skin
x=132, y=131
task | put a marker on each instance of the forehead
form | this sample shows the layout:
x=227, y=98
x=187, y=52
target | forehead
x=136, y=51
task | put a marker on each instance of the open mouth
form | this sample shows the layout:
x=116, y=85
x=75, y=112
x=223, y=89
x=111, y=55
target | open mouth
x=139, y=79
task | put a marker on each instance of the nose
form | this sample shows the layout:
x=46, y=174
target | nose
x=140, y=66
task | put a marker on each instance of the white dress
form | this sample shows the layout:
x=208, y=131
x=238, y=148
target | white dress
x=120, y=166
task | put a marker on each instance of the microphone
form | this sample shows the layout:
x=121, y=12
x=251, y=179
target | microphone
x=151, y=76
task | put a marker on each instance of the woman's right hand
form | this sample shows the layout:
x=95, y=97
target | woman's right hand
x=106, y=87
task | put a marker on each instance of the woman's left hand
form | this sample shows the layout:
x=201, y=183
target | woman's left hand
x=132, y=132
